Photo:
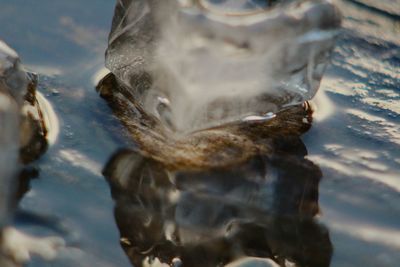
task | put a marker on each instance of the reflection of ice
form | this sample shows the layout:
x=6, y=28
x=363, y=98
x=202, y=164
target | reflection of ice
x=214, y=66
x=263, y=208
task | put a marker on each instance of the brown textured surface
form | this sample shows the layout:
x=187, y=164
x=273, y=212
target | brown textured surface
x=33, y=130
x=211, y=148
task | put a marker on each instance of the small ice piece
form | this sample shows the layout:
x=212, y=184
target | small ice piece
x=20, y=247
x=12, y=88
x=20, y=131
x=220, y=61
x=266, y=117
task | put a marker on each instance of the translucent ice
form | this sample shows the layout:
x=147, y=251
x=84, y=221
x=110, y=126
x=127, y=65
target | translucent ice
x=22, y=140
x=195, y=64
x=12, y=82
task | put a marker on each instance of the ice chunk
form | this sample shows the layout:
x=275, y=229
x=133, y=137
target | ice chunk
x=209, y=62
x=22, y=140
x=20, y=246
x=11, y=84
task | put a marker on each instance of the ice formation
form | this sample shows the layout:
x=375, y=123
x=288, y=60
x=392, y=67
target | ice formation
x=196, y=64
x=12, y=83
x=22, y=140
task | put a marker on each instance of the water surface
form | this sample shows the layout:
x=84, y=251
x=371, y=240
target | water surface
x=355, y=139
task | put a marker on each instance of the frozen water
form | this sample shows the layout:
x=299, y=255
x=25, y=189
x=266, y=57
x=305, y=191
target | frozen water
x=213, y=61
x=11, y=80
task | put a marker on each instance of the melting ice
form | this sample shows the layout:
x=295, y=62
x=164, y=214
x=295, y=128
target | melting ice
x=210, y=62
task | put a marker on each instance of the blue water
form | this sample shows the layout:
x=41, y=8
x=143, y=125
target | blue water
x=355, y=138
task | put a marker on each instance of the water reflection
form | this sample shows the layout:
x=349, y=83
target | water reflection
x=263, y=208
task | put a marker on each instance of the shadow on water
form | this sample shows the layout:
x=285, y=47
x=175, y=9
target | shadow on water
x=263, y=208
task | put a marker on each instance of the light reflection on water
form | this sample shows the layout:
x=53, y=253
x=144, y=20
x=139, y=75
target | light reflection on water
x=358, y=146
x=355, y=138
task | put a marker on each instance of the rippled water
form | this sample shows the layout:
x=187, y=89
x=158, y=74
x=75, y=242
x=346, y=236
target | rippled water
x=355, y=138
